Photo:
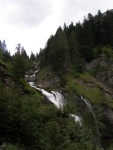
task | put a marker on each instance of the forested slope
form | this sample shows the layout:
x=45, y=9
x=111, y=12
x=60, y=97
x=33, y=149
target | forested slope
x=74, y=63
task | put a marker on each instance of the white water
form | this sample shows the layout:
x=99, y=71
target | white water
x=55, y=97
x=36, y=71
x=31, y=76
x=87, y=103
x=26, y=76
x=58, y=100
x=32, y=84
x=89, y=106
x=77, y=118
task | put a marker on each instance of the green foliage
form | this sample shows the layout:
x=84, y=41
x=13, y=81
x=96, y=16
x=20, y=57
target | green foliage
x=71, y=101
x=111, y=147
x=60, y=59
x=21, y=62
x=32, y=57
x=12, y=147
x=2, y=64
x=78, y=69
x=62, y=80
x=91, y=123
x=26, y=120
x=90, y=88
x=107, y=51
x=87, y=40
x=1, y=54
x=19, y=66
x=74, y=50
x=33, y=125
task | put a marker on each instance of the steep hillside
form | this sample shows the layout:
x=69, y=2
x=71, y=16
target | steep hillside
x=78, y=61
x=66, y=101
x=29, y=121
x=84, y=86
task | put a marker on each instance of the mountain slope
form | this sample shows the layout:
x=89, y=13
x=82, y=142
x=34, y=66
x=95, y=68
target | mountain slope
x=29, y=121
x=78, y=61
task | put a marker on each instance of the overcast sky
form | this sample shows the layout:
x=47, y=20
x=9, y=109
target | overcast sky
x=31, y=22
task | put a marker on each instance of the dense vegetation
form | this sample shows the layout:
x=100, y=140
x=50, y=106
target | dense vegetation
x=28, y=120
x=74, y=44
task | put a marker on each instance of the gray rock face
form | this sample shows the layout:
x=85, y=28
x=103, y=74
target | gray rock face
x=107, y=130
x=103, y=69
x=48, y=82
x=96, y=62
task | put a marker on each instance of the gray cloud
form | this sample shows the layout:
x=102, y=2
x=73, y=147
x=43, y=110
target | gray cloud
x=75, y=10
x=31, y=22
x=25, y=13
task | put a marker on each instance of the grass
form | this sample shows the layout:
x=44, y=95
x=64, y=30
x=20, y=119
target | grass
x=84, y=85
x=90, y=88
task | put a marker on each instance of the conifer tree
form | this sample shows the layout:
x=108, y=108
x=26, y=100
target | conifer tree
x=74, y=47
x=32, y=56
x=61, y=60
x=19, y=63
x=3, y=45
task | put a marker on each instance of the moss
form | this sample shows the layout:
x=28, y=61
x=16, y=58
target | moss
x=90, y=88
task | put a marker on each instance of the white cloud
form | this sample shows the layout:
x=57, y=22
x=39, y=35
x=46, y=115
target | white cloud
x=75, y=10
x=31, y=22
x=25, y=13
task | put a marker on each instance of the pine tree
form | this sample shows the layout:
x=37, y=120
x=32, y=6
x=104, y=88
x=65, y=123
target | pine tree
x=32, y=56
x=23, y=53
x=74, y=47
x=19, y=62
x=3, y=45
x=60, y=59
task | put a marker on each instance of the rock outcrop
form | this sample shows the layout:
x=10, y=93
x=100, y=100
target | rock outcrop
x=102, y=68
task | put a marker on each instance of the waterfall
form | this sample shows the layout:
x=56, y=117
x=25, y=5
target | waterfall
x=96, y=123
x=56, y=98
x=87, y=104
x=32, y=84
x=36, y=71
x=90, y=107
x=77, y=118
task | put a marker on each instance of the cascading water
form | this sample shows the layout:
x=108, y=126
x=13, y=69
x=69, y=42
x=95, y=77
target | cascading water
x=89, y=106
x=55, y=97
x=91, y=110
x=77, y=118
x=32, y=84
x=58, y=100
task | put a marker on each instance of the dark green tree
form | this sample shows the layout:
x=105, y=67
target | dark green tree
x=19, y=63
x=23, y=53
x=61, y=57
x=74, y=47
x=32, y=56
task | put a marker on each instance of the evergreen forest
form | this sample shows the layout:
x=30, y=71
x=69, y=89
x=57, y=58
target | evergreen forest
x=29, y=121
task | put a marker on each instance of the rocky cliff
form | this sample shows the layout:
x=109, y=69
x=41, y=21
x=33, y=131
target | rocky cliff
x=102, y=69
